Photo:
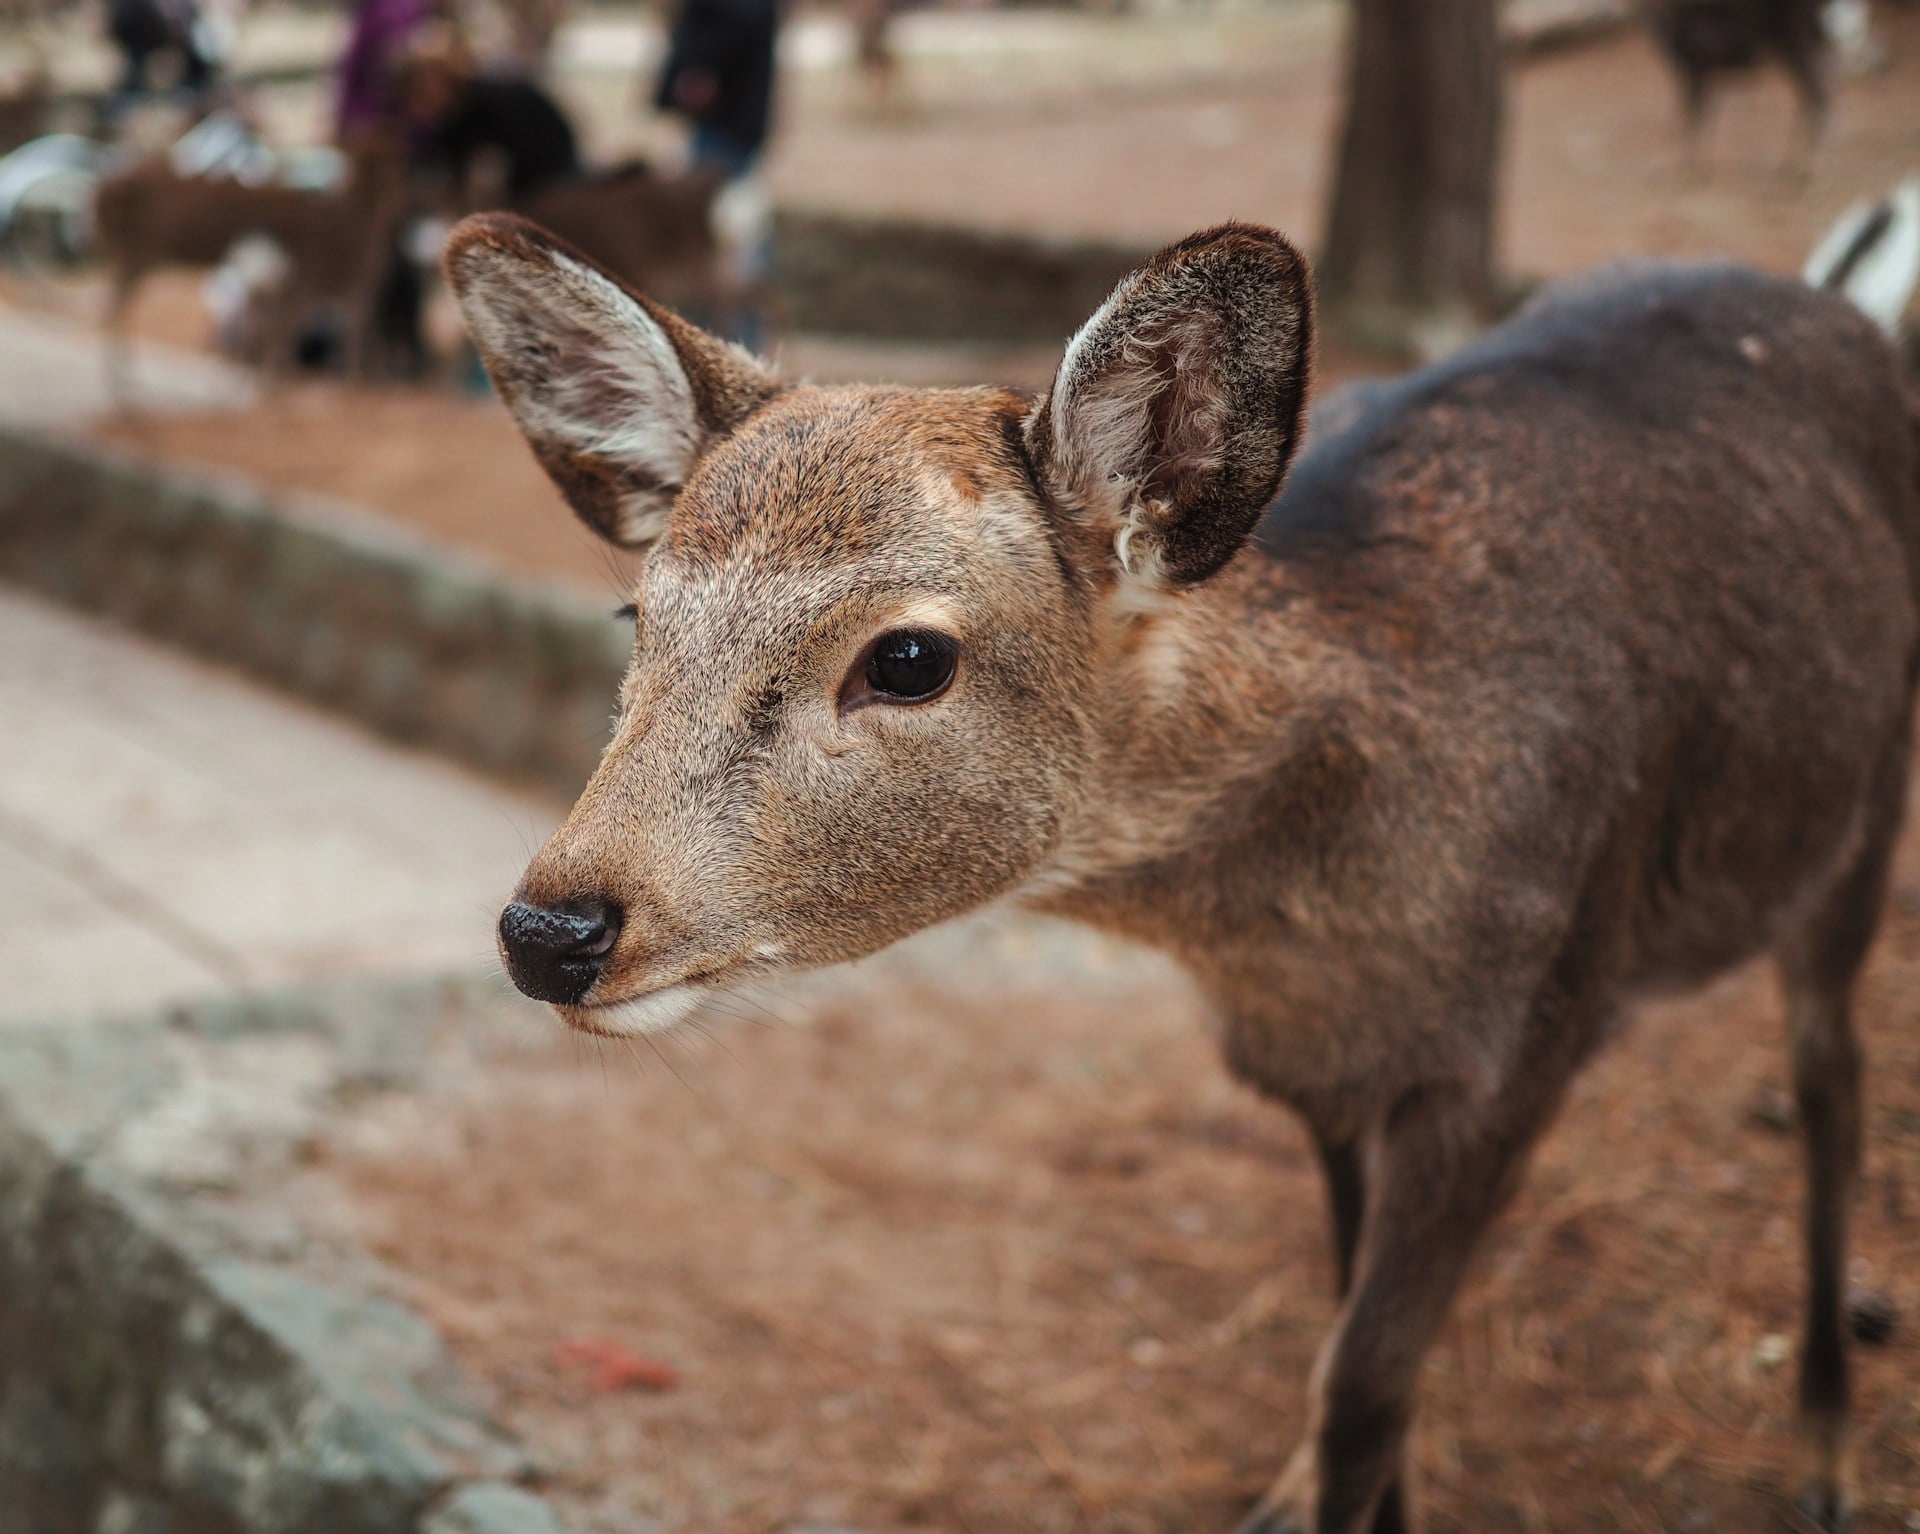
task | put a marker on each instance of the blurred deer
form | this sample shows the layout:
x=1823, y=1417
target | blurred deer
x=25, y=105
x=653, y=230
x=506, y=144
x=1706, y=39
x=1573, y=669
x=335, y=245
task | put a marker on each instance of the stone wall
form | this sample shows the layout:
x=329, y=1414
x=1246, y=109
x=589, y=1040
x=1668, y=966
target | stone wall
x=351, y=612
x=838, y=274
x=182, y=1355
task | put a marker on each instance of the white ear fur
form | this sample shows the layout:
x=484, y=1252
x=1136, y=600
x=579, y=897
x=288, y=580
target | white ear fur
x=618, y=399
x=1872, y=256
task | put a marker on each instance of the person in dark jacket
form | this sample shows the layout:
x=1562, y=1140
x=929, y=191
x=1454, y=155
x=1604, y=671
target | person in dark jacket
x=719, y=76
x=147, y=31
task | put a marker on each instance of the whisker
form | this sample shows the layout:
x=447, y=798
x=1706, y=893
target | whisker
x=634, y=1055
x=711, y=1037
x=652, y=1044
x=726, y=1009
x=760, y=1006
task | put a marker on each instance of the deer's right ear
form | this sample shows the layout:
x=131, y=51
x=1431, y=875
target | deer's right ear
x=1177, y=407
x=618, y=397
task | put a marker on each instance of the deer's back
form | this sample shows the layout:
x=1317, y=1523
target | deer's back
x=152, y=216
x=1637, y=580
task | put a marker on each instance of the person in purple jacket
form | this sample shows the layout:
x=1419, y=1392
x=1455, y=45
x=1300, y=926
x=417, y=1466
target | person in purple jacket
x=369, y=85
x=370, y=100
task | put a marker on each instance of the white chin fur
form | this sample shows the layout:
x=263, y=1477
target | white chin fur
x=644, y=1014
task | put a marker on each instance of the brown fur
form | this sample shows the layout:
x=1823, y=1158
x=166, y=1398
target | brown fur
x=150, y=217
x=1575, y=668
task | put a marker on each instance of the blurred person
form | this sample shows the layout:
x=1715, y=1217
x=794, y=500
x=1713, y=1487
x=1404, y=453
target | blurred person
x=719, y=77
x=154, y=32
x=369, y=104
x=464, y=119
x=368, y=87
x=492, y=140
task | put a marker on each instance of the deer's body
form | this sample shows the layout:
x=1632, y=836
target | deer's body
x=654, y=231
x=337, y=244
x=1579, y=666
x=1523, y=672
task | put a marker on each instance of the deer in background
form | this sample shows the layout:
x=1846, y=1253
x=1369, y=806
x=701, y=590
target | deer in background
x=1577, y=667
x=334, y=245
x=654, y=230
x=1707, y=39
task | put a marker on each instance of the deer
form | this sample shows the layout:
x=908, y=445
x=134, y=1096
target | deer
x=1706, y=39
x=656, y=230
x=1572, y=669
x=336, y=245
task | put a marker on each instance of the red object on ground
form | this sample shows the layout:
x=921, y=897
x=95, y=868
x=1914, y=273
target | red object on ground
x=613, y=1366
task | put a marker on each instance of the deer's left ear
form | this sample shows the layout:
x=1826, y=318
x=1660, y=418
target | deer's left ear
x=1177, y=407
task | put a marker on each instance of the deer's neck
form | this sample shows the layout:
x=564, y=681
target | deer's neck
x=1230, y=746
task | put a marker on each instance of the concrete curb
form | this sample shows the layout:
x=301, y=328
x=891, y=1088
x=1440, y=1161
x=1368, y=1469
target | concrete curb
x=182, y=1355
x=327, y=602
x=898, y=279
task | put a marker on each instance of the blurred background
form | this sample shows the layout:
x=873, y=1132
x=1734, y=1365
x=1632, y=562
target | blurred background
x=307, y=1224
x=912, y=192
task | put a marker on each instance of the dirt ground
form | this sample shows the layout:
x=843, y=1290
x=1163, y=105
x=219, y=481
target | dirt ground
x=986, y=1242
x=1595, y=172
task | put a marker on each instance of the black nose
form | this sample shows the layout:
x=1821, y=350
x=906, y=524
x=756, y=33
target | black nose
x=554, y=953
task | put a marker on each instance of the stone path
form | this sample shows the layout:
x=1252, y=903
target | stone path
x=168, y=831
x=56, y=375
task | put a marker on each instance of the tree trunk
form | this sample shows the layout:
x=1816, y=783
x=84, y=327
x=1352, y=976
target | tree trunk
x=1410, y=235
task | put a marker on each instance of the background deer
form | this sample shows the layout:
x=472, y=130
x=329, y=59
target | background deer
x=1576, y=667
x=654, y=231
x=1705, y=40
x=336, y=244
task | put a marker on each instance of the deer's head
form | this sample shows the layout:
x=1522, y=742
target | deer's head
x=873, y=627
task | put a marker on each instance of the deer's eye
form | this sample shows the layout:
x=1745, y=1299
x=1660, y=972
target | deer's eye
x=911, y=665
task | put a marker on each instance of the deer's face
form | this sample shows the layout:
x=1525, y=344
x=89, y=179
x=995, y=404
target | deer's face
x=865, y=687
x=853, y=707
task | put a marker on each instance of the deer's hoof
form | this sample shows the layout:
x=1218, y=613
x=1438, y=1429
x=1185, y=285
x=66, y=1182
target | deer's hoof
x=1825, y=1506
x=1270, y=1519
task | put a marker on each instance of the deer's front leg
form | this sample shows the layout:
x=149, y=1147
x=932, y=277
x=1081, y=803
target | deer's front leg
x=1434, y=1175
